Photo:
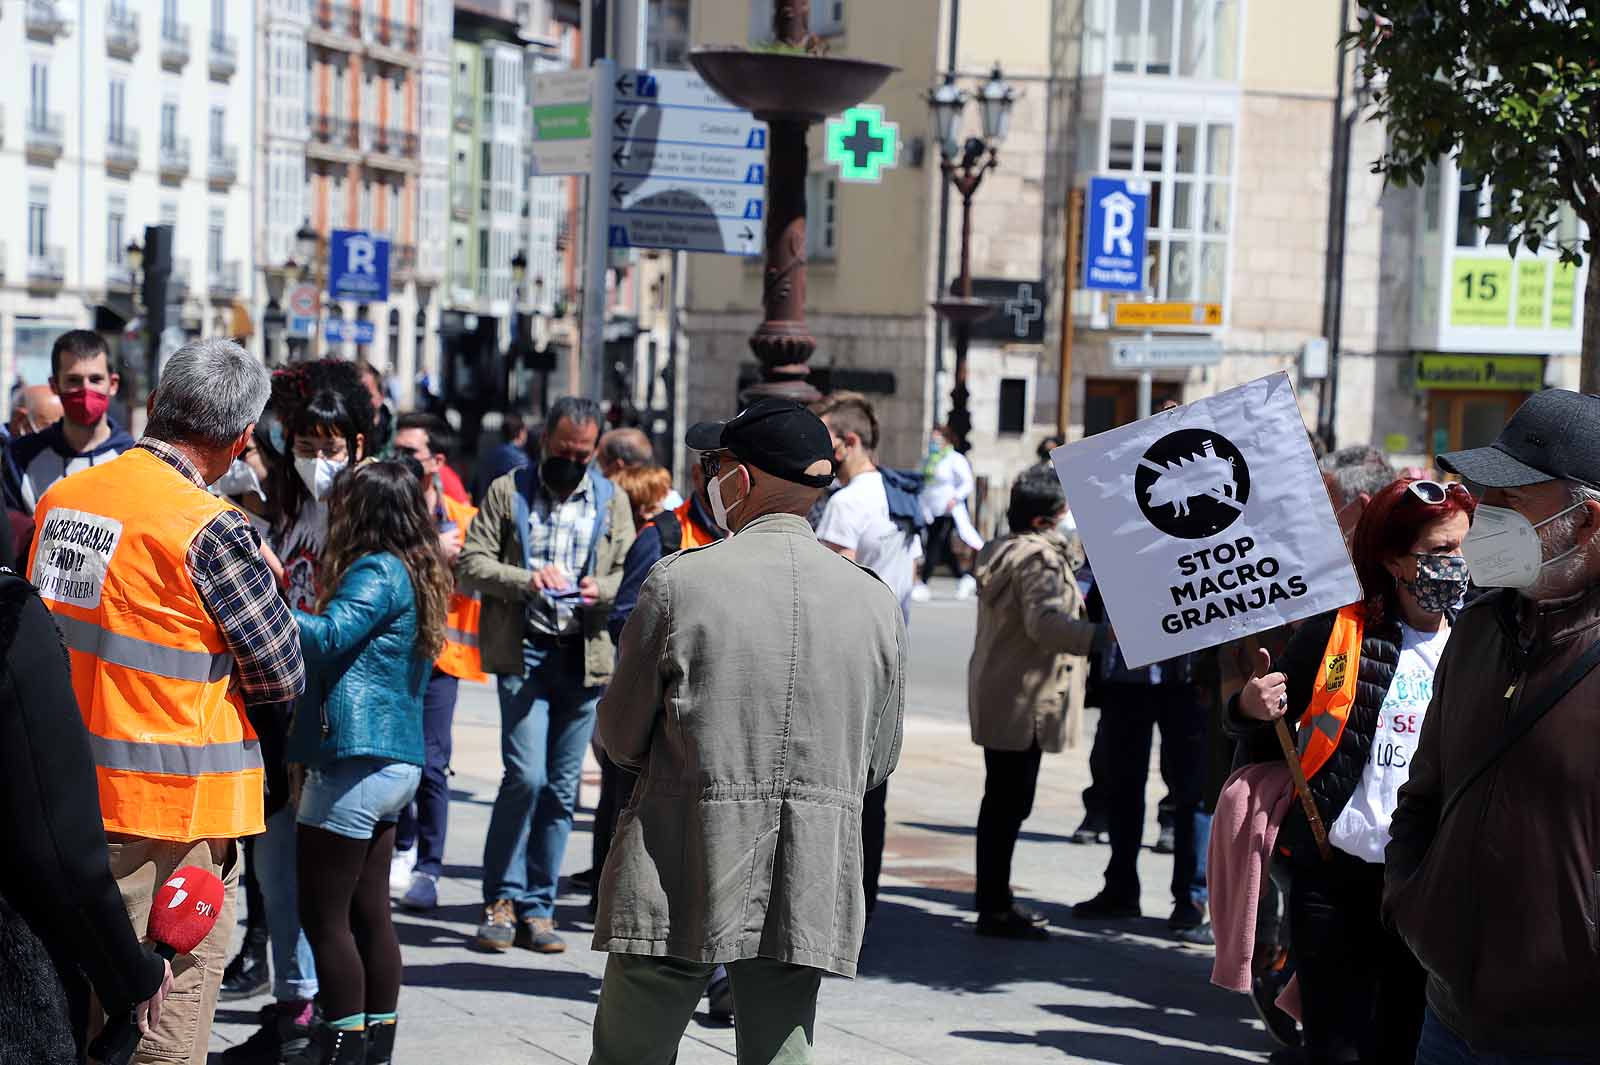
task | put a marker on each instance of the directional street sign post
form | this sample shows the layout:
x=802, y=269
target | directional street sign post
x=563, y=107
x=862, y=144
x=1159, y=315
x=339, y=330
x=1164, y=353
x=1118, y=212
x=688, y=171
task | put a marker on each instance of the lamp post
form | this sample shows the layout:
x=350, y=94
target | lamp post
x=303, y=266
x=964, y=165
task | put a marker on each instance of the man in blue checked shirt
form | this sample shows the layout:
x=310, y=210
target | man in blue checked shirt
x=546, y=553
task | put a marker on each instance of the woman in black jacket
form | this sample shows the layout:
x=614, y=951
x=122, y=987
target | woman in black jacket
x=1361, y=990
x=63, y=926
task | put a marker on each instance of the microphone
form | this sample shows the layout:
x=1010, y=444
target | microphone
x=182, y=914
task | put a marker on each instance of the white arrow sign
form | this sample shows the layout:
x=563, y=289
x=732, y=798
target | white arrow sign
x=698, y=198
x=725, y=236
x=1154, y=354
x=655, y=159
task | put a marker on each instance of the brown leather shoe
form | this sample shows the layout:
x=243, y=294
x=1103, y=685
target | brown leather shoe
x=538, y=934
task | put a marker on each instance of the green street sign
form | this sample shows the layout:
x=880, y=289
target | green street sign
x=862, y=144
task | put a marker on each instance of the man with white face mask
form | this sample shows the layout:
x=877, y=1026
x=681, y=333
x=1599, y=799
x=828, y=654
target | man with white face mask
x=1493, y=871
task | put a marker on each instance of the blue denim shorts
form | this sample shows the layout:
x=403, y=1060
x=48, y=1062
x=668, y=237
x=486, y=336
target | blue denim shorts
x=353, y=796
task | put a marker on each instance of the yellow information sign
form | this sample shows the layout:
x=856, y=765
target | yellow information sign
x=1563, y=296
x=1150, y=315
x=1533, y=277
x=1480, y=292
x=1480, y=373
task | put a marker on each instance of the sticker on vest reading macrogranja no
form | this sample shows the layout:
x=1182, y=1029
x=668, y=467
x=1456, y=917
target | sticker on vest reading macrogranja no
x=74, y=553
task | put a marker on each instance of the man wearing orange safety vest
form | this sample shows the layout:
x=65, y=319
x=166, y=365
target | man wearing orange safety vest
x=174, y=626
x=419, y=838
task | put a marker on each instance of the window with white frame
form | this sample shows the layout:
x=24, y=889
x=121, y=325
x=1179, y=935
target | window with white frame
x=169, y=124
x=822, y=217
x=38, y=220
x=218, y=131
x=668, y=39
x=169, y=213
x=216, y=226
x=116, y=228
x=1175, y=38
x=1479, y=208
x=117, y=111
x=1189, y=166
x=364, y=205
x=827, y=19
x=39, y=93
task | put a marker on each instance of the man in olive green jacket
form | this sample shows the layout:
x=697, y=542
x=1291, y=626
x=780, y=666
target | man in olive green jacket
x=759, y=693
x=545, y=553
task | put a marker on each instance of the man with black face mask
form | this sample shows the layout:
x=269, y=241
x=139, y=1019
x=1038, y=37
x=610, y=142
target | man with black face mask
x=546, y=553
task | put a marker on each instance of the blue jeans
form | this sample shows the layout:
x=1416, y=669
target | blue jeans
x=351, y=797
x=423, y=823
x=546, y=718
x=294, y=973
x=1440, y=1046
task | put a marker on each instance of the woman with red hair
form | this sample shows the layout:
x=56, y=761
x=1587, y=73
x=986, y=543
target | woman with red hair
x=1358, y=683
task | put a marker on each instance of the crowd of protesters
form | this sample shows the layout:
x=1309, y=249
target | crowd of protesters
x=272, y=598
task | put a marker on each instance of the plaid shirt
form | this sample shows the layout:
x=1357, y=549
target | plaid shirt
x=238, y=591
x=560, y=533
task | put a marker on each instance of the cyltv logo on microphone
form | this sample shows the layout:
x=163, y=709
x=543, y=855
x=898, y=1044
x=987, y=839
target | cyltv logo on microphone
x=201, y=906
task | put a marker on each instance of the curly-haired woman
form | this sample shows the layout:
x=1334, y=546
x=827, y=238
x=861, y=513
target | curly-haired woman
x=369, y=652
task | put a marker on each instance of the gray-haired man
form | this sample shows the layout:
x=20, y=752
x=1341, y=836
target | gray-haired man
x=176, y=628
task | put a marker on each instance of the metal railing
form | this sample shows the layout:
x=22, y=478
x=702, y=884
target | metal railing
x=174, y=45
x=122, y=147
x=223, y=55
x=122, y=33
x=179, y=281
x=43, y=133
x=222, y=165
x=390, y=33
x=119, y=274
x=462, y=113
x=174, y=157
x=336, y=18
x=223, y=278
x=48, y=264
x=387, y=140
x=43, y=21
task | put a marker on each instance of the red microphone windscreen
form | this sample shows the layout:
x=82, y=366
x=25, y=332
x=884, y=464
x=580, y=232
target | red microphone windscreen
x=186, y=908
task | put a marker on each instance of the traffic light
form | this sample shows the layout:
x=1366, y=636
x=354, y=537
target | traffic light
x=157, y=274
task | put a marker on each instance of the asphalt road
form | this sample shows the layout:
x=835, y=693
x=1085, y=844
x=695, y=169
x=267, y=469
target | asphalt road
x=941, y=645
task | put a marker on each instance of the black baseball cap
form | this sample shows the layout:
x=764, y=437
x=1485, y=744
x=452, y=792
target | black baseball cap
x=1555, y=435
x=778, y=436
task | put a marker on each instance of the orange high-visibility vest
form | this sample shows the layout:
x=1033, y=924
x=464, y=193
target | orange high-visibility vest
x=1335, y=691
x=175, y=756
x=460, y=657
x=693, y=534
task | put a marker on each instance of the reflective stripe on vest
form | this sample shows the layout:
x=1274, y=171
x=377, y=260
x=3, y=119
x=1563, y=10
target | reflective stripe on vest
x=465, y=639
x=1334, y=694
x=175, y=756
x=175, y=760
x=89, y=638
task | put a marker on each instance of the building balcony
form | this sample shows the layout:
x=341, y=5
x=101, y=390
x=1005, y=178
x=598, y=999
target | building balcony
x=222, y=279
x=391, y=41
x=174, y=45
x=122, y=150
x=392, y=149
x=119, y=277
x=178, y=282
x=333, y=138
x=222, y=166
x=462, y=114
x=122, y=34
x=222, y=56
x=44, y=20
x=47, y=266
x=43, y=136
x=334, y=26
x=173, y=159
x=403, y=260
x=461, y=202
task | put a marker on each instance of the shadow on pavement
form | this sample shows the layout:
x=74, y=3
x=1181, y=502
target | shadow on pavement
x=1104, y=1046
x=561, y=983
x=969, y=831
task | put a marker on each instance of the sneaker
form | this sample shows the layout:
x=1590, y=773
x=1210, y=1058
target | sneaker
x=539, y=935
x=400, y=868
x=1093, y=830
x=1104, y=907
x=1198, y=936
x=499, y=928
x=423, y=894
x=920, y=594
x=966, y=587
x=284, y=1033
x=1185, y=916
x=719, y=997
x=1166, y=840
x=1015, y=923
x=246, y=975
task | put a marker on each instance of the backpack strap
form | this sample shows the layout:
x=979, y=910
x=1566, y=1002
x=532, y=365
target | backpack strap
x=671, y=530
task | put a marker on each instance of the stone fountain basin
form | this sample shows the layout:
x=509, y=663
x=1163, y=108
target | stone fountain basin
x=778, y=86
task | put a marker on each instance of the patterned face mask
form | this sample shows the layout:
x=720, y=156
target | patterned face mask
x=1441, y=582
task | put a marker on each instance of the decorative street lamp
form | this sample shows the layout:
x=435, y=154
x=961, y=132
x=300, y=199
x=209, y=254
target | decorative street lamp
x=965, y=165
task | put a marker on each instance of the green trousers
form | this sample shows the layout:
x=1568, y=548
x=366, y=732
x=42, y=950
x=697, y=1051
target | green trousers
x=646, y=1003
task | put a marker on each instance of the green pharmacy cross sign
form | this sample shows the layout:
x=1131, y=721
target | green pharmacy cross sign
x=862, y=144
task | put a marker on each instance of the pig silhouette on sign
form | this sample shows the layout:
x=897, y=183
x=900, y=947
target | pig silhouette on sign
x=1184, y=479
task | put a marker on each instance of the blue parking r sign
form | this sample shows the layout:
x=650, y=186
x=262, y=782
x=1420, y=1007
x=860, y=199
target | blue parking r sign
x=1117, y=217
x=358, y=266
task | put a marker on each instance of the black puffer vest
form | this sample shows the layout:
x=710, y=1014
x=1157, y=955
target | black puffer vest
x=1338, y=779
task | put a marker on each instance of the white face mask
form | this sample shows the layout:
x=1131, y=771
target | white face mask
x=1067, y=524
x=240, y=480
x=1503, y=550
x=318, y=475
x=719, y=509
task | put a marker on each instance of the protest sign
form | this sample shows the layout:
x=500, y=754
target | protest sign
x=1208, y=522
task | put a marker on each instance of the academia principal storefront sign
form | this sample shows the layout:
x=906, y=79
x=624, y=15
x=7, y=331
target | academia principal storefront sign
x=1480, y=373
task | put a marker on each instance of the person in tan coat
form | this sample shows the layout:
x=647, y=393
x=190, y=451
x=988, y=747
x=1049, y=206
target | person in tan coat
x=1025, y=685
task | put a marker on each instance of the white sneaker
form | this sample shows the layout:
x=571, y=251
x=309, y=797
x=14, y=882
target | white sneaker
x=966, y=587
x=422, y=895
x=400, y=867
x=920, y=594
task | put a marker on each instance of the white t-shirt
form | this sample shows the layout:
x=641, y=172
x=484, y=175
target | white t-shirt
x=1362, y=828
x=857, y=519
